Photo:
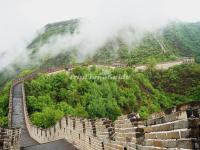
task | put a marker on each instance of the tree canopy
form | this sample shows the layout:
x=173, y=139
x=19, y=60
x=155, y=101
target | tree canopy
x=78, y=94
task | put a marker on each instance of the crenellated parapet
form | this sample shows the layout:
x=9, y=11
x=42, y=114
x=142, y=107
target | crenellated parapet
x=179, y=125
x=9, y=139
x=10, y=107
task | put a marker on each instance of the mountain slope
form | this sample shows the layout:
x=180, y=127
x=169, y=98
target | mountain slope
x=185, y=38
x=175, y=40
x=53, y=29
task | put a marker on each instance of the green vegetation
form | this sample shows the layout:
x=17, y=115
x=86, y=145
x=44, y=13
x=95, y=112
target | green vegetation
x=50, y=30
x=181, y=83
x=4, y=101
x=185, y=38
x=24, y=73
x=169, y=43
x=52, y=97
x=177, y=39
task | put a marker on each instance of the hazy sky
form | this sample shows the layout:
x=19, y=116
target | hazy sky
x=20, y=19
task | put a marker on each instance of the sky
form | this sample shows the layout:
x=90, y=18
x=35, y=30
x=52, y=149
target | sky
x=22, y=19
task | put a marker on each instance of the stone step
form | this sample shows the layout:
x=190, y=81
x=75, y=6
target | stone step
x=168, y=118
x=179, y=124
x=180, y=144
x=174, y=134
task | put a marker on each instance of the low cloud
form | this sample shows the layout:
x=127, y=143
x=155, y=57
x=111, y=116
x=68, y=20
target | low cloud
x=102, y=21
x=129, y=20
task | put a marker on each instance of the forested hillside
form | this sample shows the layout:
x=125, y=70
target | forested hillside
x=100, y=92
x=180, y=82
x=177, y=39
x=4, y=99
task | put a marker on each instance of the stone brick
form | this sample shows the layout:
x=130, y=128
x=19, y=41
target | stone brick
x=185, y=144
x=157, y=143
x=166, y=127
x=185, y=134
x=150, y=136
x=169, y=143
x=181, y=124
x=161, y=135
x=148, y=129
x=173, y=135
x=148, y=142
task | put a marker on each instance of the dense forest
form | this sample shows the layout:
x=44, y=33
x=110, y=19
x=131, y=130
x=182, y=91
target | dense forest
x=4, y=99
x=180, y=82
x=103, y=92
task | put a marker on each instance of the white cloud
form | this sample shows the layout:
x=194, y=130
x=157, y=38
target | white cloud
x=20, y=19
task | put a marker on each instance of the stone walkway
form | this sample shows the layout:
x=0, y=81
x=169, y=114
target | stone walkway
x=18, y=117
x=26, y=142
x=56, y=145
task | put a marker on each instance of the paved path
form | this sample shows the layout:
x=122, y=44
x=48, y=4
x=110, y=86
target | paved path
x=18, y=117
x=56, y=145
x=18, y=121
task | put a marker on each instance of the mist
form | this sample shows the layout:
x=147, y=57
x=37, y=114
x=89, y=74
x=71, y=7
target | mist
x=113, y=19
x=102, y=20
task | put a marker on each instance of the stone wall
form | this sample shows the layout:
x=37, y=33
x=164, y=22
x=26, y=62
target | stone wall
x=174, y=129
x=9, y=139
x=10, y=107
x=69, y=67
x=81, y=132
x=167, y=65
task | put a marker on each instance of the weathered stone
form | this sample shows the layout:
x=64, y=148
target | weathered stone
x=161, y=136
x=185, y=144
x=185, y=134
x=181, y=124
x=173, y=135
x=169, y=143
x=148, y=129
x=166, y=127
x=157, y=143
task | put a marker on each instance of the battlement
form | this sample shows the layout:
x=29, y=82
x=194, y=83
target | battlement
x=179, y=125
x=9, y=139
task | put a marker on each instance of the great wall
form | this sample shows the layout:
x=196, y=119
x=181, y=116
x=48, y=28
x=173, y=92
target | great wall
x=176, y=128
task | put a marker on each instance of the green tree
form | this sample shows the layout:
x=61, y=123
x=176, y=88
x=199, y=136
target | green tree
x=80, y=111
x=112, y=109
x=96, y=108
x=47, y=118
